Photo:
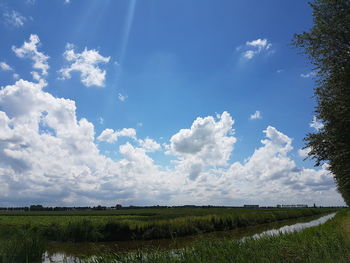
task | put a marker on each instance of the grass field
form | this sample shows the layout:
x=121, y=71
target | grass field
x=24, y=235
x=329, y=242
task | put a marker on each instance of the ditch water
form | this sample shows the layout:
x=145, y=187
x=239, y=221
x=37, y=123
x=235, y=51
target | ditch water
x=72, y=252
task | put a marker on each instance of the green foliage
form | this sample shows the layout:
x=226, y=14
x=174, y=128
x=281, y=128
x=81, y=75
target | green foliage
x=22, y=246
x=116, y=231
x=324, y=243
x=328, y=48
x=80, y=231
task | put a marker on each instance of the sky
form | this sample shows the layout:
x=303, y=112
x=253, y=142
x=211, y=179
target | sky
x=187, y=102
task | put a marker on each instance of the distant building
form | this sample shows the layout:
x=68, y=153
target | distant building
x=293, y=206
x=251, y=206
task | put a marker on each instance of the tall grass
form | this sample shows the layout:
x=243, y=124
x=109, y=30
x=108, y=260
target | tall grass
x=87, y=230
x=84, y=228
x=324, y=243
x=22, y=247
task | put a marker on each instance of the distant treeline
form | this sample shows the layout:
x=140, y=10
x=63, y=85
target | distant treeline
x=99, y=207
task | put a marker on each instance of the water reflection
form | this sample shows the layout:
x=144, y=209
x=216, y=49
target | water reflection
x=59, y=258
x=73, y=252
x=295, y=227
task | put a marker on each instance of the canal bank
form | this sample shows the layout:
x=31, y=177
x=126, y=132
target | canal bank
x=329, y=242
x=212, y=245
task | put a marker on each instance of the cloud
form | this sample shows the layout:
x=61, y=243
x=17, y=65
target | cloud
x=255, y=47
x=308, y=75
x=109, y=135
x=149, y=145
x=208, y=142
x=256, y=116
x=15, y=76
x=316, y=124
x=30, y=50
x=86, y=63
x=269, y=162
x=122, y=97
x=304, y=152
x=14, y=18
x=249, y=54
x=270, y=173
x=48, y=156
x=208, y=139
x=4, y=66
x=259, y=43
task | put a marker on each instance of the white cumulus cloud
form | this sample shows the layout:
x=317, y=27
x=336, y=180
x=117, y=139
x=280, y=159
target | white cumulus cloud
x=87, y=63
x=208, y=142
x=47, y=155
x=149, y=145
x=109, y=135
x=255, y=47
x=270, y=173
x=30, y=50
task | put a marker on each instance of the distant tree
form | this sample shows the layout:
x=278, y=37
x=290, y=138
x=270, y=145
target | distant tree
x=327, y=46
x=36, y=208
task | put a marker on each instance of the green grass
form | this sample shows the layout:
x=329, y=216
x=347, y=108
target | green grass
x=142, y=224
x=325, y=243
x=23, y=237
x=22, y=246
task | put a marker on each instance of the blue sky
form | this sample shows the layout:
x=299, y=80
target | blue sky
x=204, y=102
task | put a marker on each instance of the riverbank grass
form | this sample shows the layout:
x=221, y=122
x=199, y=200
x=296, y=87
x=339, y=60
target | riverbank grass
x=329, y=242
x=23, y=246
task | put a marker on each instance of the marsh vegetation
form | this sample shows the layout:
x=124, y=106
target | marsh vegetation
x=324, y=243
x=25, y=235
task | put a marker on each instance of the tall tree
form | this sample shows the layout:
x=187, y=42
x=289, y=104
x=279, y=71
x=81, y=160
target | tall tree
x=327, y=46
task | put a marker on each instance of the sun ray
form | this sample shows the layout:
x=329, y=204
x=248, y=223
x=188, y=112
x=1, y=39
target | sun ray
x=125, y=40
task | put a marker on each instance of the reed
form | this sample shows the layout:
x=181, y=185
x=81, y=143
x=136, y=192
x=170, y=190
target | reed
x=22, y=247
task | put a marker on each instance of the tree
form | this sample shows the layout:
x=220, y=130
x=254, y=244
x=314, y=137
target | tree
x=327, y=46
x=36, y=208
